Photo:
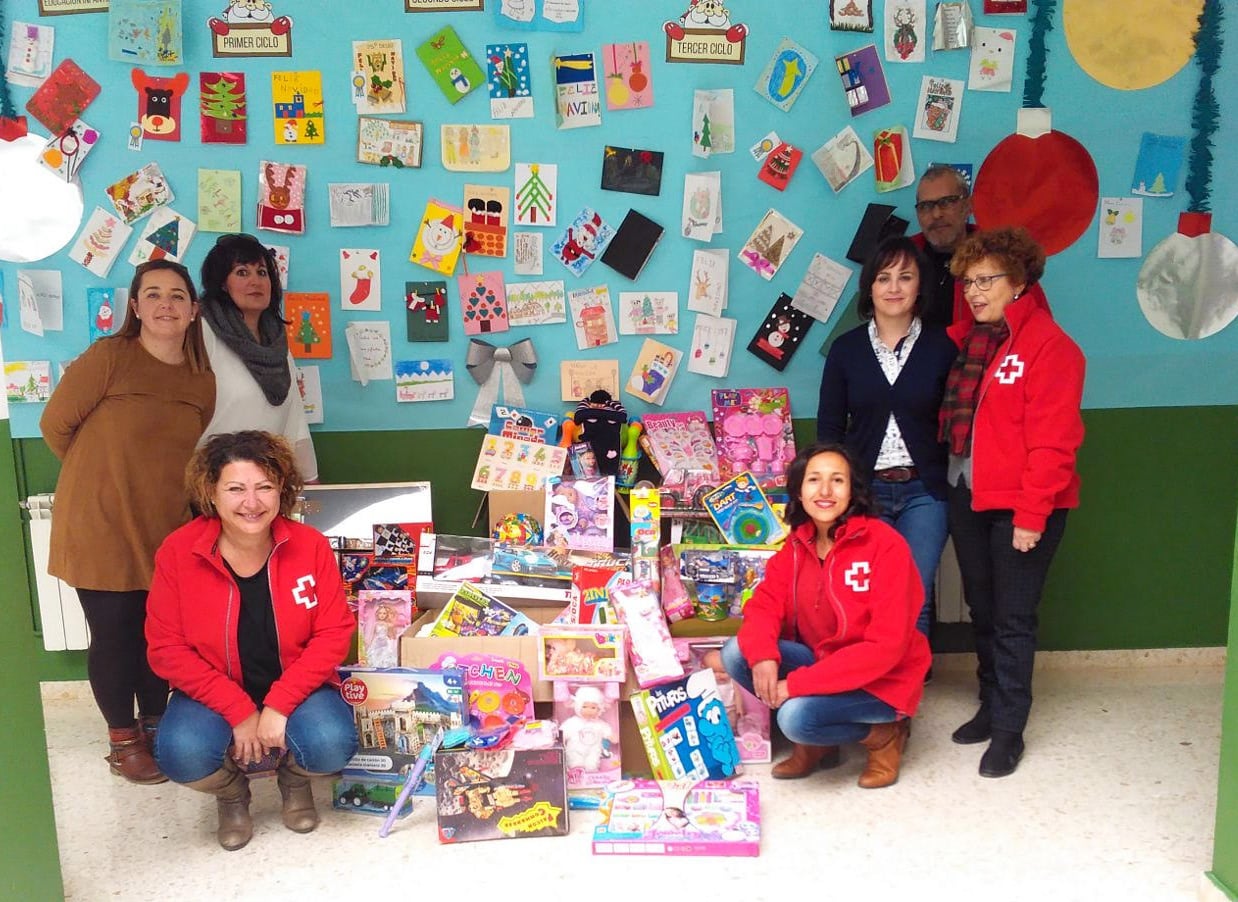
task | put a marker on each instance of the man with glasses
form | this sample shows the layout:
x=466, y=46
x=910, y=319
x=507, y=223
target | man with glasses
x=943, y=204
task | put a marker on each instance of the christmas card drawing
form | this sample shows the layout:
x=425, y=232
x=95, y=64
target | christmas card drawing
x=427, y=310
x=769, y=244
x=1158, y=165
x=100, y=242
x=780, y=333
x=483, y=303
x=701, y=218
x=369, y=350
x=309, y=324
x=101, y=307
x=842, y=158
x=536, y=303
x=27, y=381
x=539, y=15
x=450, y=65
x=581, y=378
x=354, y=204
x=140, y=192
x=653, y=371
x=778, y=167
x=713, y=339
x=63, y=97
x=389, y=142
x=439, y=238
x=537, y=186
x=708, y=281
x=754, y=432
x=281, y=197
x=476, y=147
x=905, y=31
x=1121, y=227
x=298, y=109
x=628, y=71
x=684, y=727
x=863, y=79
x=713, y=122
x=821, y=287
x=592, y=317
x=424, y=380
x=379, y=67
x=992, y=59
x=165, y=236
x=632, y=170
x=360, y=279
x=584, y=240
x=648, y=312
x=743, y=513
x=938, y=109
x=64, y=154
x=527, y=253
x=282, y=254
x=509, y=81
x=851, y=15
x=485, y=222
x=785, y=75
x=632, y=245
x=893, y=167
x=159, y=104
x=577, y=104
x=147, y=32
x=30, y=54
x=219, y=200
x=309, y=385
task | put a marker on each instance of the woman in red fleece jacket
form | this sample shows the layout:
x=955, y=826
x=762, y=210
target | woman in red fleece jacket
x=247, y=621
x=1011, y=419
x=829, y=638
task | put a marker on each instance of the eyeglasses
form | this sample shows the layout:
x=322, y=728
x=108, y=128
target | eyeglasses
x=984, y=283
x=941, y=203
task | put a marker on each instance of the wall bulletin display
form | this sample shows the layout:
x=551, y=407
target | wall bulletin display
x=389, y=142
x=297, y=99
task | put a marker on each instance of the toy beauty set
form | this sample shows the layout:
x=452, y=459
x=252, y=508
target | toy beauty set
x=658, y=817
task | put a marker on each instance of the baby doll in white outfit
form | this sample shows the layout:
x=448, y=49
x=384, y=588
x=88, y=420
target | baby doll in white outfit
x=586, y=734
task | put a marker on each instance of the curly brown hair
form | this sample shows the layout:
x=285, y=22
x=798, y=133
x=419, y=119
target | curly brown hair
x=270, y=452
x=1014, y=250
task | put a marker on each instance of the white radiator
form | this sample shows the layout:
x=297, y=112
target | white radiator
x=64, y=625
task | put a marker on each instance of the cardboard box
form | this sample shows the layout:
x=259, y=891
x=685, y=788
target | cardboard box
x=501, y=794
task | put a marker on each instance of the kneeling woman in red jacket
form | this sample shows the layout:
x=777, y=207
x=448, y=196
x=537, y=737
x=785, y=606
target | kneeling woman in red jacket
x=247, y=621
x=829, y=638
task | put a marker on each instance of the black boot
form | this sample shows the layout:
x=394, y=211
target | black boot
x=975, y=730
x=1003, y=754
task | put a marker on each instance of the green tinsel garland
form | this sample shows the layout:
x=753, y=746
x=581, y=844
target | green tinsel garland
x=1206, y=113
x=1037, y=54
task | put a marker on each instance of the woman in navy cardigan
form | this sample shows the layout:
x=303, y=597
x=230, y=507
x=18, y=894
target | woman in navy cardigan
x=881, y=393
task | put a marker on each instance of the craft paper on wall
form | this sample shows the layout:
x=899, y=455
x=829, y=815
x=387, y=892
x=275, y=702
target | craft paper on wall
x=427, y=310
x=527, y=254
x=63, y=97
x=219, y=200
x=27, y=307
x=42, y=292
x=576, y=91
x=159, y=104
x=27, y=381
x=476, y=148
x=952, y=26
x=648, y=312
x=509, y=81
x=1158, y=165
x=821, y=287
x=30, y=54
x=298, y=109
x=992, y=59
x=540, y=15
x=439, y=238
x=769, y=244
x=633, y=244
x=785, y=75
x=281, y=197
x=509, y=463
x=105, y=310
x=536, y=303
x=713, y=339
x=701, y=217
x=938, y=109
x=165, y=236
x=708, y=281
x=537, y=186
x=485, y=221
x=1005, y=7
x=592, y=317
x=713, y=122
x=583, y=241
x=450, y=65
x=1186, y=286
x=581, y=378
x=144, y=31
x=369, y=350
x=780, y=334
x=905, y=32
x=483, y=303
x=381, y=65
x=309, y=324
x=863, y=79
x=851, y=15
x=632, y=170
x=1121, y=227
x=424, y=380
x=842, y=159
x=353, y=204
x=628, y=71
x=780, y=165
x=360, y=279
x=877, y=224
x=893, y=168
x=309, y=384
x=140, y=192
x=653, y=371
x=64, y=154
x=389, y=142
x=223, y=110
x=282, y=254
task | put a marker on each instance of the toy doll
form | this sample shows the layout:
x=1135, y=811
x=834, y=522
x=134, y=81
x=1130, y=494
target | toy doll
x=731, y=700
x=600, y=417
x=586, y=735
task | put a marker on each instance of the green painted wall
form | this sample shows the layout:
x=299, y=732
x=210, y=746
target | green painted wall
x=1225, y=849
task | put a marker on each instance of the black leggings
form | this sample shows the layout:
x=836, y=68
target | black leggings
x=116, y=661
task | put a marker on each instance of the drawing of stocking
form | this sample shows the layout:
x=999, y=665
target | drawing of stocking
x=361, y=291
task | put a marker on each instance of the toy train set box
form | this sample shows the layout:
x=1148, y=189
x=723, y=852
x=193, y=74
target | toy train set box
x=683, y=817
x=501, y=793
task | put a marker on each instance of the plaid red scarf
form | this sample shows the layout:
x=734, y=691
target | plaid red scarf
x=958, y=406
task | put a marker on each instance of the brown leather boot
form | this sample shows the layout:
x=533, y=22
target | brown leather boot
x=804, y=760
x=300, y=816
x=230, y=787
x=130, y=758
x=885, y=743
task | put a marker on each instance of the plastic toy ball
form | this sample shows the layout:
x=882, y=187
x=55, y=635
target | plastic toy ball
x=518, y=529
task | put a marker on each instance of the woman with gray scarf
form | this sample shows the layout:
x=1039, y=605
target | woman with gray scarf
x=247, y=343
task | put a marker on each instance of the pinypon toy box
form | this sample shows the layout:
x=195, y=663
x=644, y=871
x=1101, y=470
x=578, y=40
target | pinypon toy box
x=500, y=793
x=582, y=654
x=658, y=817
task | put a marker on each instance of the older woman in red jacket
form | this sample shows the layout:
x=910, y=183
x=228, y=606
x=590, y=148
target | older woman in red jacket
x=247, y=621
x=1011, y=419
x=829, y=637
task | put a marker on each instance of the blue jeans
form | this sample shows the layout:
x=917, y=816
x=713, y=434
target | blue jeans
x=192, y=739
x=921, y=520
x=813, y=719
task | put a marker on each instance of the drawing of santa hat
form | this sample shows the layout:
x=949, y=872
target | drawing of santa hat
x=591, y=226
x=449, y=220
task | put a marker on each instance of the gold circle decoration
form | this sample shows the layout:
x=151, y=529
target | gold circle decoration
x=1131, y=44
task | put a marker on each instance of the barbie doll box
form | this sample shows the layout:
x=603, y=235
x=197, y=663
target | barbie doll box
x=684, y=817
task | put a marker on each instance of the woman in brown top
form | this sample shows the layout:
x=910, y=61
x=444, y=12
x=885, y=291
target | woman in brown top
x=124, y=421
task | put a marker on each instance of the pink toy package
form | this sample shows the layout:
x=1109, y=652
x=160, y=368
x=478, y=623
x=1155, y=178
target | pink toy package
x=753, y=430
x=581, y=654
x=649, y=641
x=588, y=718
x=579, y=513
x=676, y=601
x=382, y=615
x=680, y=817
x=749, y=717
x=499, y=690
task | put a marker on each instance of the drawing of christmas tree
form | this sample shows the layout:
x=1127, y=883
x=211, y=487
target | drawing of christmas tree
x=706, y=141
x=223, y=101
x=166, y=240
x=99, y=241
x=306, y=334
x=1158, y=184
x=532, y=196
x=310, y=131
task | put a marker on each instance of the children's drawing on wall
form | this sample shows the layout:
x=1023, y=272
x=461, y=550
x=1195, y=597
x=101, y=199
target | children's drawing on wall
x=485, y=221
x=905, y=32
x=369, y=350
x=101, y=306
x=992, y=59
x=1158, y=165
x=851, y=15
x=527, y=253
x=540, y=15
x=583, y=242
x=785, y=75
x=309, y=384
x=648, y=312
x=713, y=338
x=536, y=303
x=780, y=165
x=30, y=54
x=577, y=104
x=701, y=217
x=713, y=122
x=476, y=147
x=483, y=303
x=592, y=317
x=842, y=159
x=283, y=255
x=140, y=192
x=821, y=287
x=705, y=33
x=509, y=81
x=581, y=378
x=309, y=329
x=632, y=170
x=537, y=186
x=165, y=236
x=389, y=142
x=780, y=334
x=769, y=244
x=281, y=197
x=298, y=109
x=147, y=32
x=628, y=72
x=27, y=381
x=427, y=310
x=653, y=371
x=708, y=280
x=219, y=200
x=1121, y=227
x=65, y=95
x=863, y=79
x=424, y=380
x=64, y=154
x=450, y=65
x=379, y=66
x=938, y=109
x=893, y=167
x=360, y=279
x=223, y=111
x=159, y=104
x=439, y=238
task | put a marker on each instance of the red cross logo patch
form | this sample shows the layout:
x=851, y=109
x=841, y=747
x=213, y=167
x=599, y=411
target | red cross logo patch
x=856, y=576
x=1010, y=369
x=304, y=594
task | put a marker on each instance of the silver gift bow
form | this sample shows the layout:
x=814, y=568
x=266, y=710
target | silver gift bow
x=499, y=371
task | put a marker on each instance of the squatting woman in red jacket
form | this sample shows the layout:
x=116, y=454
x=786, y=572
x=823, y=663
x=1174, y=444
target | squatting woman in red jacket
x=829, y=637
x=1011, y=419
x=247, y=621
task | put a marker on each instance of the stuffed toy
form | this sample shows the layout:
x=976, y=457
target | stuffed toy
x=601, y=418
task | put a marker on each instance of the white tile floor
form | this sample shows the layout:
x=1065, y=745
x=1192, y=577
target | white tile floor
x=1115, y=799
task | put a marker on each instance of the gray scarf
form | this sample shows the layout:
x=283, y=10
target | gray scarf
x=267, y=358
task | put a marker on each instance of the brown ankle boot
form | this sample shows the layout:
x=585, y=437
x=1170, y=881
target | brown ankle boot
x=130, y=758
x=804, y=760
x=885, y=743
x=230, y=788
x=300, y=816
